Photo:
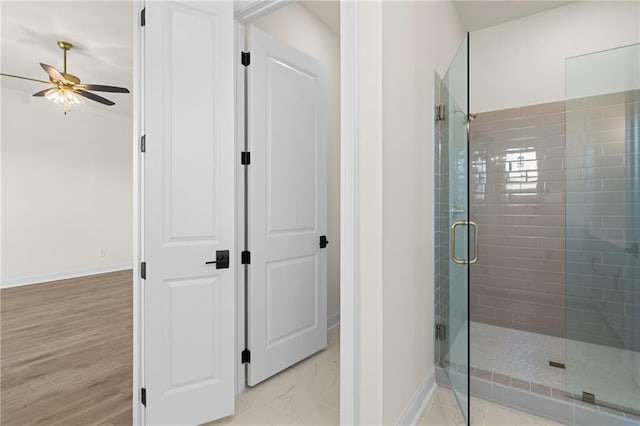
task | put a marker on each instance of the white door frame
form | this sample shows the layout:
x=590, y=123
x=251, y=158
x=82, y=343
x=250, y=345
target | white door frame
x=138, y=237
x=245, y=13
x=348, y=210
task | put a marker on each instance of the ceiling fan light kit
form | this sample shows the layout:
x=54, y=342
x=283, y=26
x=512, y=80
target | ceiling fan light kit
x=64, y=97
x=68, y=90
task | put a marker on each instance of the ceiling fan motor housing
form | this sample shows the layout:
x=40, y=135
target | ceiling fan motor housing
x=64, y=45
x=69, y=77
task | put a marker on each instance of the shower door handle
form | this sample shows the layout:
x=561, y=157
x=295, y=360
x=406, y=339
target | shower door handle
x=476, y=243
x=452, y=242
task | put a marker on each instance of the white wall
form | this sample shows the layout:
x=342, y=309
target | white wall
x=400, y=46
x=66, y=181
x=297, y=27
x=66, y=189
x=418, y=38
x=522, y=62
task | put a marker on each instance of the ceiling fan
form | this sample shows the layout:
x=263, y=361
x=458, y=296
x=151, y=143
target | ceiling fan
x=67, y=87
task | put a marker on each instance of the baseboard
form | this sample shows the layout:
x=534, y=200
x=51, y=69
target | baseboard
x=333, y=321
x=39, y=279
x=421, y=398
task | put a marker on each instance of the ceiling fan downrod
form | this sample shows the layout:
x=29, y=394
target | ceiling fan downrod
x=65, y=46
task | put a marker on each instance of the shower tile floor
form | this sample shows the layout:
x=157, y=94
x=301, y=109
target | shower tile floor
x=607, y=372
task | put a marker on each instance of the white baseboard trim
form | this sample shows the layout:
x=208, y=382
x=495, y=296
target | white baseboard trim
x=421, y=398
x=333, y=321
x=39, y=279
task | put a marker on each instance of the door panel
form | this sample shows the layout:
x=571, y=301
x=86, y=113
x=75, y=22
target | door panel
x=454, y=174
x=188, y=212
x=189, y=302
x=602, y=229
x=287, y=203
x=291, y=147
x=295, y=279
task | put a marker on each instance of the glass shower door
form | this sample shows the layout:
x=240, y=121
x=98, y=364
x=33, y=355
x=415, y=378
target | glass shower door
x=452, y=116
x=603, y=228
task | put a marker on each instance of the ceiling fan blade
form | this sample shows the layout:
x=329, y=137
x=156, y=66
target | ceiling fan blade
x=94, y=97
x=53, y=73
x=24, y=78
x=42, y=92
x=101, y=88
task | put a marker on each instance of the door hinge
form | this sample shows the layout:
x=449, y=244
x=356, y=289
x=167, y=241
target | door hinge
x=245, y=258
x=246, y=356
x=245, y=58
x=323, y=241
x=143, y=270
x=143, y=396
x=441, y=331
x=440, y=112
x=143, y=15
x=245, y=158
x=143, y=143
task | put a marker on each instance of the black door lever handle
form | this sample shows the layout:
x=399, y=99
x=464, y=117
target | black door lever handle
x=222, y=260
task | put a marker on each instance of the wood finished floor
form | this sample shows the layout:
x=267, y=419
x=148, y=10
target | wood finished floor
x=66, y=352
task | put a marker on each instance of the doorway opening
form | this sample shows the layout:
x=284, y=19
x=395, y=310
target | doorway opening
x=66, y=281
x=288, y=91
x=139, y=397
x=192, y=312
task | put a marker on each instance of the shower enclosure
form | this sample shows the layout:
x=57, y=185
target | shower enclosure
x=550, y=300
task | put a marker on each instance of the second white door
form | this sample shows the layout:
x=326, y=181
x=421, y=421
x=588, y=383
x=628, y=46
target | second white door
x=287, y=133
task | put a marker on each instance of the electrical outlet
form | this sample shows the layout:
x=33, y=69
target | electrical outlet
x=102, y=253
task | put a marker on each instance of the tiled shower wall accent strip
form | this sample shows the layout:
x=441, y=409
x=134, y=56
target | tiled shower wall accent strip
x=540, y=400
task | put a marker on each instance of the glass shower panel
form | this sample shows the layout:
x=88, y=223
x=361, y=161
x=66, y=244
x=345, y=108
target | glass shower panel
x=452, y=225
x=602, y=237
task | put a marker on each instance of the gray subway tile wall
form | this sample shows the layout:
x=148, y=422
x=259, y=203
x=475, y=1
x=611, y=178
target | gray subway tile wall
x=603, y=219
x=518, y=200
x=559, y=218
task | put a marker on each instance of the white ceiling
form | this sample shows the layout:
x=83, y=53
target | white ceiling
x=327, y=11
x=474, y=14
x=477, y=14
x=100, y=31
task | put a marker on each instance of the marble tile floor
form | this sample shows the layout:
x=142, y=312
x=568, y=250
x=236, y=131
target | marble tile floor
x=306, y=393
x=443, y=411
x=598, y=369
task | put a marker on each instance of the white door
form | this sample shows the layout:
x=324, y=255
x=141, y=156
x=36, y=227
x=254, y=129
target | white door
x=287, y=292
x=188, y=211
